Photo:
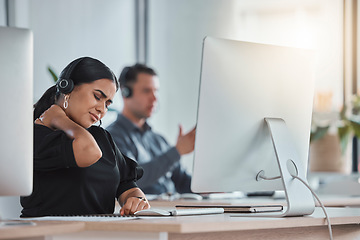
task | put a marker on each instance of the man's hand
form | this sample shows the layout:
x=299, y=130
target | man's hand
x=185, y=142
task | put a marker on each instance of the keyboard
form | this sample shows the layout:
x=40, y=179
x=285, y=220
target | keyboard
x=83, y=218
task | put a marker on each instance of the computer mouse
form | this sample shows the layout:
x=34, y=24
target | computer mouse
x=153, y=212
x=190, y=196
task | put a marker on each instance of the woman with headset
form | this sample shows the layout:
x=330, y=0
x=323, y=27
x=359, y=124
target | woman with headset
x=78, y=169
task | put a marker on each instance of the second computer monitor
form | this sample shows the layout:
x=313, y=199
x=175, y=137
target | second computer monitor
x=243, y=83
x=16, y=138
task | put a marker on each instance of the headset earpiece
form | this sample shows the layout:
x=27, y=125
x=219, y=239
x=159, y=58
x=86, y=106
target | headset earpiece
x=65, y=84
x=126, y=92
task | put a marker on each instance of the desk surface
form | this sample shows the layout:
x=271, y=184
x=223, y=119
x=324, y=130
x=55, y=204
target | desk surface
x=40, y=229
x=347, y=221
x=226, y=222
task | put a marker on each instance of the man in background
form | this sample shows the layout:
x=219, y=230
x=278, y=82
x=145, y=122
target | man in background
x=163, y=172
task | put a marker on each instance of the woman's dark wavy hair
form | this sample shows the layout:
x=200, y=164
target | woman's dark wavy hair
x=86, y=71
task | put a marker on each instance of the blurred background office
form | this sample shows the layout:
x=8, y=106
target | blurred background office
x=167, y=35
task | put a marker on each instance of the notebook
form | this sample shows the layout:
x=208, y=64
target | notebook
x=237, y=208
x=178, y=212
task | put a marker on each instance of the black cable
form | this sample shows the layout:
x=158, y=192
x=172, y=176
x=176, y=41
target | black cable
x=7, y=10
x=313, y=193
x=355, y=155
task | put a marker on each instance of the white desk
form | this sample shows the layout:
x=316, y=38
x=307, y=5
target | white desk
x=345, y=223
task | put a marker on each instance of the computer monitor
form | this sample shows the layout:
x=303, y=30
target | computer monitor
x=16, y=129
x=254, y=119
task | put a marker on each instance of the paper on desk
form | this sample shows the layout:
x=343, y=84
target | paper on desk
x=79, y=218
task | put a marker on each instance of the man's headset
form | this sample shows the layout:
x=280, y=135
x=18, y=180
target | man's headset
x=126, y=90
x=65, y=84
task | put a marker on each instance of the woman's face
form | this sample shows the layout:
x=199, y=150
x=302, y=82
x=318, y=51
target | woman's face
x=89, y=102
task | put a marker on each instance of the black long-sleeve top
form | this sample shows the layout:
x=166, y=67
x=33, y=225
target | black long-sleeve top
x=62, y=188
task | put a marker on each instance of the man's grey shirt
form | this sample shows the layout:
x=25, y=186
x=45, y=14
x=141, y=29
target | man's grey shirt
x=163, y=172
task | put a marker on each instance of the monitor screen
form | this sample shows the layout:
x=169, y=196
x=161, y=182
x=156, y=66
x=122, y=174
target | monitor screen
x=241, y=84
x=16, y=138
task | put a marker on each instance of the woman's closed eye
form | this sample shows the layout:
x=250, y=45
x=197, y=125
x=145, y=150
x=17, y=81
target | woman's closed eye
x=107, y=104
x=96, y=97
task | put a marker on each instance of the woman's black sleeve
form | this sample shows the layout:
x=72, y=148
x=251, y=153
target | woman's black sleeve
x=52, y=150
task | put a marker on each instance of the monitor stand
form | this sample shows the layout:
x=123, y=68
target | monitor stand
x=9, y=223
x=15, y=222
x=298, y=197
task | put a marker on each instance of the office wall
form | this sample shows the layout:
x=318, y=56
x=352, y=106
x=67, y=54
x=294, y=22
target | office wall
x=2, y=13
x=176, y=31
x=177, y=28
x=10, y=207
x=65, y=30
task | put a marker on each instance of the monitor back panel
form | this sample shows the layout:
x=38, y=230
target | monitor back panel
x=241, y=84
x=16, y=129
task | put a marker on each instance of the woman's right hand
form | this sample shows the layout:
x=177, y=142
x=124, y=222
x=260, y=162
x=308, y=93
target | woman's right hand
x=51, y=116
x=86, y=150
